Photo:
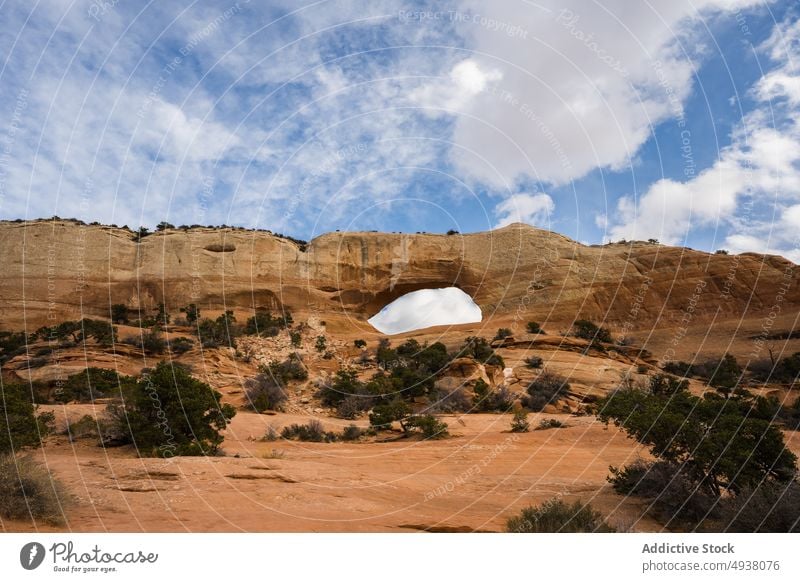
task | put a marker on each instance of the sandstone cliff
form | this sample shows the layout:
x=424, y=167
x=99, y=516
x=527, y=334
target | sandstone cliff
x=59, y=270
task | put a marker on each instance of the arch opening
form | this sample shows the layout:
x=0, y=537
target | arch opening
x=426, y=308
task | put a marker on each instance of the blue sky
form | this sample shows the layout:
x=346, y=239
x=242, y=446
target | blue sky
x=601, y=121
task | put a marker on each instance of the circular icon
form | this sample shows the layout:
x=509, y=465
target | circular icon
x=31, y=555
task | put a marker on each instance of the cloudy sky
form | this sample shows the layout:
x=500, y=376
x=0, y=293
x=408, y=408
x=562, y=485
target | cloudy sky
x=673, y=120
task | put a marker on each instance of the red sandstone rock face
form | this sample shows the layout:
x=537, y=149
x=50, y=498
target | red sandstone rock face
x=60, y=270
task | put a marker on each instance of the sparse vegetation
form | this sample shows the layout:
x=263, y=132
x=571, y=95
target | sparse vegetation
x=321, y=344
x=295, y=338
x=585, y=329
x=547, y=388
x=265, y=325
x=360, y=344
x=20, y=426
x=548, y=423
x=28, y=492
x=192, y=312
x=503, y=333
x=534, y=362
x=311, y=432
x=534, y=327
x=557, y=516
x=519, y=422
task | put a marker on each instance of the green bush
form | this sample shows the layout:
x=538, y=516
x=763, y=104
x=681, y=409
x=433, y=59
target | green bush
x=556, y=516
x=20, y=427
x=665, y=385
x=534, y=362
x=345, y=383
x=479, y=349
x=295, y=338
x=548, y=423
x=430, y=426
x=519, y=423
x=28, y=492
x=311, y=432
x=12, y=344
x=547, y=388
x=534, y=327
x=587, y=330
x=264, y=324
x=168, y=413
x=360, y=344
x=383, y=415
x=180, y=345
x=91, y=384
x=321, y=344
x=192, y=312
x=503, y=333
x=352, y=433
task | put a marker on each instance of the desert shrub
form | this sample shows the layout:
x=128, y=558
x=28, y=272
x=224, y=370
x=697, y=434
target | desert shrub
x=534, y=327
x=479, y=349
x=295, y=338
x=548, y=423
x=352, y=406
x=91, y=384
x=180, y=345
x=12, y=344
x=220, y=331
x=311, y=432
x=665, y=385
x=430, y=426
x=642, y=369
x=725, y=375
x=547, y=388
x=360, y=344
x=557, y=516
x=264, y=324
x=345, y=383
x=503, y=333
x=534, y=362
x=265, y=392
x=449, y=401
x=20, y=427
x=292, y=368
x=153, y=341
x=351, y=433
x=519, y=422
x=585, y=329
x=271, y=434
x=682, y=369
x=482, y=399
x=28, y=492
x=786, y=370
x=168, y=412
x=383, y=415
x=192, y=312
x=768, y=508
